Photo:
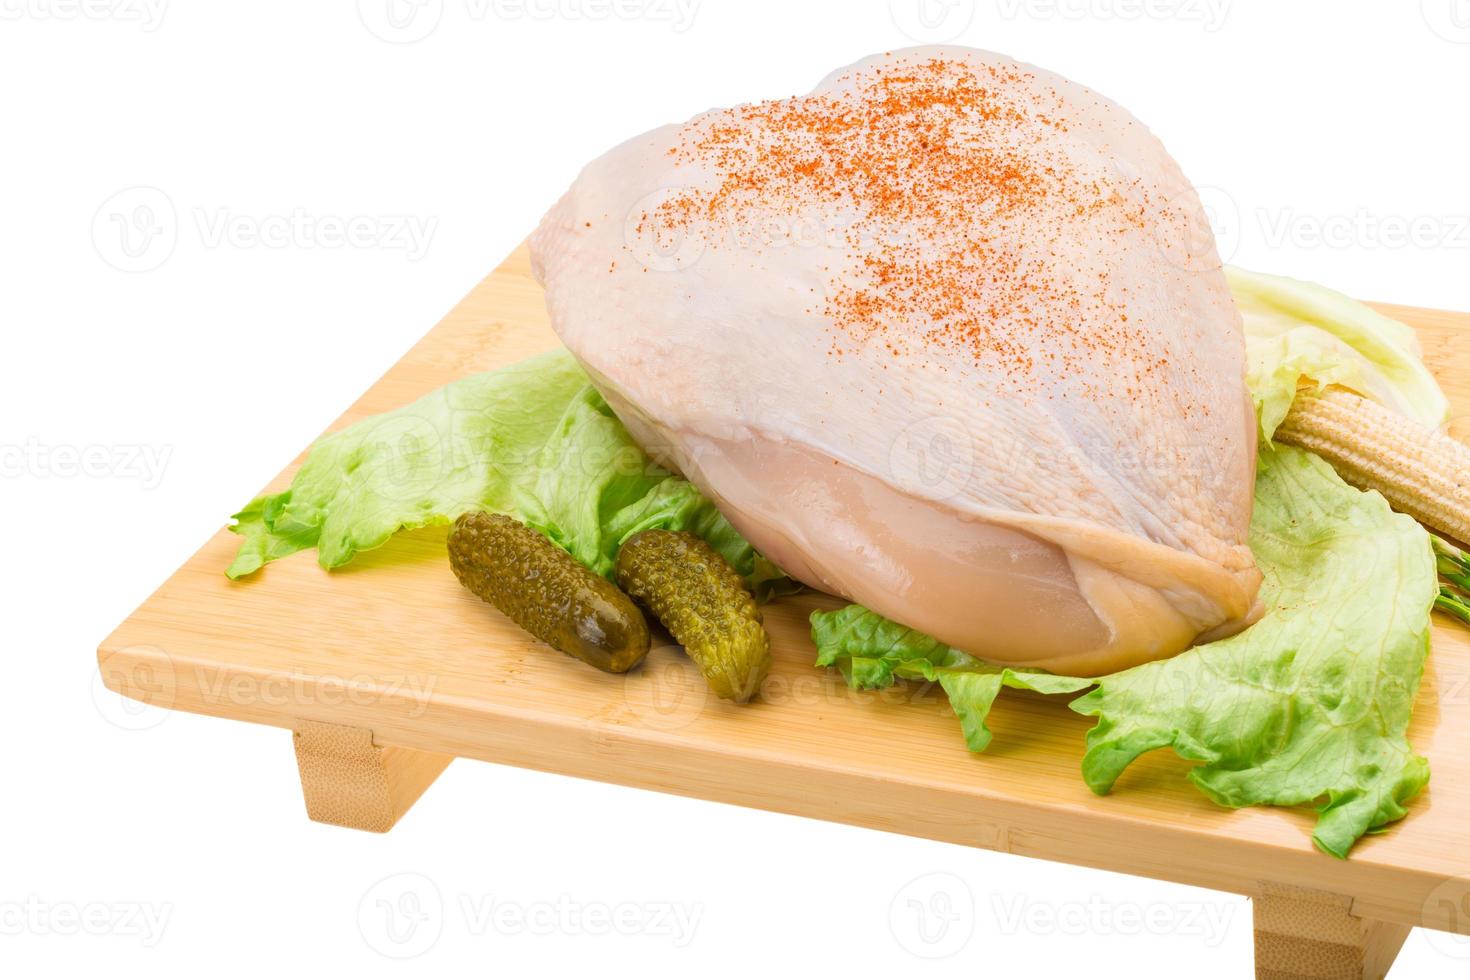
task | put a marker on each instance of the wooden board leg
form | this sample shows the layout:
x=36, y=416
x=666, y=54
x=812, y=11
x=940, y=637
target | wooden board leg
x=350, y=781
x=1311, y=935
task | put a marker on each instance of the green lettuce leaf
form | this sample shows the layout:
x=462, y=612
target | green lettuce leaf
x=534, y=440
x=1300, y=334
x=466, y=445
x=873, y=652
x=1312, y=702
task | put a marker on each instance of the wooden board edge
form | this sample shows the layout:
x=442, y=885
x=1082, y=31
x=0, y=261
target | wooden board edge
x=607, y=752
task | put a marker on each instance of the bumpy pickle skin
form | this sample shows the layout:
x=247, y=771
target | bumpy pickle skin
x=703, y=603
x=547, y=592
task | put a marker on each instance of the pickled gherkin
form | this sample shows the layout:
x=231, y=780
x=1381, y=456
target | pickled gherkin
x=547, y=592
x=702, y=601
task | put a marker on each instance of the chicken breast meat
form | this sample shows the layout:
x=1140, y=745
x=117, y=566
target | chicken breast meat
x=947, y=337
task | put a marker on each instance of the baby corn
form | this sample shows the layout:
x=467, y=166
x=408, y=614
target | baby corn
x=1422, y=473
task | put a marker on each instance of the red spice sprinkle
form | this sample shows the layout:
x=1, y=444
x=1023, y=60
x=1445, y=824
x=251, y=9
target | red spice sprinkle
x=928, y=174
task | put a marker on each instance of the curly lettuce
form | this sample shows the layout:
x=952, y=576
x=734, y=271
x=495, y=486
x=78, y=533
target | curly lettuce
x=1311, y=703
x=534, y=440
x=872, y=652
x=1302, y=335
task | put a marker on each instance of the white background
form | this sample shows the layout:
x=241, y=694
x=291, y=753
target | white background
x=1321, y=130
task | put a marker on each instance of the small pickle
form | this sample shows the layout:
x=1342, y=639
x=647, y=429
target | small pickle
x=547, y=592
x=702, y=601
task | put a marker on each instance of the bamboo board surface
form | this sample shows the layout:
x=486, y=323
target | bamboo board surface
x=393, y=644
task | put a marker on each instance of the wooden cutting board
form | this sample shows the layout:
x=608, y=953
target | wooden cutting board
x=387, y=669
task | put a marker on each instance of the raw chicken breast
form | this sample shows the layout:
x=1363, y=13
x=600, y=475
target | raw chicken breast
x=948, y=337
